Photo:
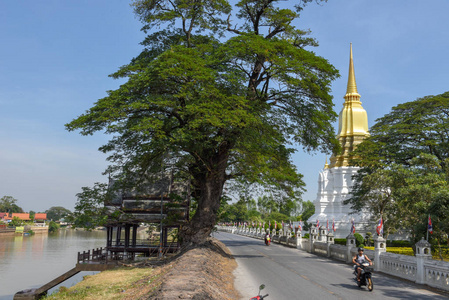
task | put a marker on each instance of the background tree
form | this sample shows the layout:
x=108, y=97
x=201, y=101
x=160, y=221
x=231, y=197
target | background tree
x=9, y=204
x=307, y=210
x=404, y=166
x=90, y=211
x=217, y=109
x=56, y=213
x=16, y=222
x=32, y=214
x=266, y=205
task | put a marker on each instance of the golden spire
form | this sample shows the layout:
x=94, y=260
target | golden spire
x=352, y=121
x=352, y=86
x=326, y=165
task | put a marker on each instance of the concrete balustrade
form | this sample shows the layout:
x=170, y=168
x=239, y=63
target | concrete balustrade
x=420, y=268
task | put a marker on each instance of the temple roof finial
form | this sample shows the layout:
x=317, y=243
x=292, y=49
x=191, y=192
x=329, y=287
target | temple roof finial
x=352, y=121
x=352, y=86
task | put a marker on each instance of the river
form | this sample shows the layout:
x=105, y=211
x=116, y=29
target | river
x=32, y=261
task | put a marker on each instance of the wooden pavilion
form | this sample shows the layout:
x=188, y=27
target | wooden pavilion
x=149, y=202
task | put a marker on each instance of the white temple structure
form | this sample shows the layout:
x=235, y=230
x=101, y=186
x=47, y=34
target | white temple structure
x=335, y=181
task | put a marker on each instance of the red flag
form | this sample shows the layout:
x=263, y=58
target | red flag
x=333, y=225
x=380, y=226
x=429, y=226
x=353, y=227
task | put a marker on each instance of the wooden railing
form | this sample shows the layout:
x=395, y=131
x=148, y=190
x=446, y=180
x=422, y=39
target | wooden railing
x=99, y=254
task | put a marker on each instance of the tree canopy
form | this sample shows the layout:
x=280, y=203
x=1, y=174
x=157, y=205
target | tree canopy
x=90, y=211
x=404, y=167
x=9, y=204
x=56, y=213
x=219, y=93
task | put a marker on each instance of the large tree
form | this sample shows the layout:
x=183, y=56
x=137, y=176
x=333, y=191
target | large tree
x=218, y=94
x=56, y=213
x=9, y=204
x=404, y=173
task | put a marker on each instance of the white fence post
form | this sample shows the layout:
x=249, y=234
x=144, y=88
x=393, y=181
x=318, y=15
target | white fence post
x=350, y=243
x=312, y=238
x=323, y=234
x=379, y=248
x=299, y=240
x=330, y=241
x=422, y=254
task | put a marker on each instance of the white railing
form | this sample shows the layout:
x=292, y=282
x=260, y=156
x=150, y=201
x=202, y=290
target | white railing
x=320, y=248
x=398, y=265
x=437, y=274
x=338, y=252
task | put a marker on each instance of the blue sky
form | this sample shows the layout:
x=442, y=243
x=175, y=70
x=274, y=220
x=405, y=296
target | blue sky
x=56, y=55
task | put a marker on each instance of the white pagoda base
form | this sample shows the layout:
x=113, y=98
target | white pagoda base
x=334, y=186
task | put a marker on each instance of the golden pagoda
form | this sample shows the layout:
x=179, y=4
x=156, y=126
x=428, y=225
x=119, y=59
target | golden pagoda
x=352, y=121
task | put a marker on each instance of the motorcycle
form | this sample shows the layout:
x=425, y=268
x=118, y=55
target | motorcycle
x=365, y=276
x=260, y=297
x=267, y=240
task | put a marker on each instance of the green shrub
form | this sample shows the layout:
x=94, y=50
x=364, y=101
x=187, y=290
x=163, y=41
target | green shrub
x=369, y=239
x=399, y=244
x=16, y=222
x=340, y=241
x=306, y=236
x=53, y=226
x=359, y=240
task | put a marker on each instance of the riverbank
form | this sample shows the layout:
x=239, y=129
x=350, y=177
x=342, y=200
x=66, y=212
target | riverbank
x=200, y=273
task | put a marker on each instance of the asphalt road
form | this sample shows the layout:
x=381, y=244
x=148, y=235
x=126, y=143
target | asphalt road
x=289, y=273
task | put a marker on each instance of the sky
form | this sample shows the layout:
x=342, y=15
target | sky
x=56, y=55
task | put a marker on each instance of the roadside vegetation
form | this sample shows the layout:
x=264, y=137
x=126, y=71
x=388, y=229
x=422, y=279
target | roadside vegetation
x=266, y=210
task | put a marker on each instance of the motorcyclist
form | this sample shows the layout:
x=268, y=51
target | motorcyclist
x=358, y=260
x=267, y=236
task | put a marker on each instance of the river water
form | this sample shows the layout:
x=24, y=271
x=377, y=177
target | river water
x=32, y=261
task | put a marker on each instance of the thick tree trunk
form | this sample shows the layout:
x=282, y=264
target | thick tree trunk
x=209, y=188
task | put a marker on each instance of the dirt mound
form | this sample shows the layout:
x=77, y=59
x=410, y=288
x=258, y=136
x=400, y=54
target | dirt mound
x=200, y=273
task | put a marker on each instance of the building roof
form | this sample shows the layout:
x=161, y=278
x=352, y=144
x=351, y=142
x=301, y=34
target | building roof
x=21, y=216
x=40, y=216
x=3, y=214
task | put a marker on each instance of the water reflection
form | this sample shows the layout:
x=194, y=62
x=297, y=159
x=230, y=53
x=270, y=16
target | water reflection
x=32, y=261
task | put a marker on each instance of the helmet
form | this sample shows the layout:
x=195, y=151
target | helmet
x=360, y=249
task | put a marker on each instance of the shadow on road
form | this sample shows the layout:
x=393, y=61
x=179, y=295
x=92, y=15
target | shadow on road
x=347, y=286
x=404, y=294
x=247, y=256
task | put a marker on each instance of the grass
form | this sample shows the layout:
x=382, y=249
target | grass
x=112, y=284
